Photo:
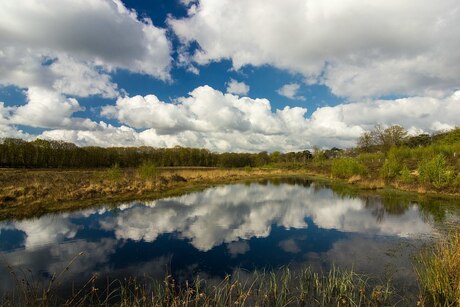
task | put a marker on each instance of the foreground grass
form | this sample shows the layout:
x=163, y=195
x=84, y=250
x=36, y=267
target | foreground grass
x=275, y=288
x=438, y=270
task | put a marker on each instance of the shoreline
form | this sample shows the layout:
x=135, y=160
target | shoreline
x=34, y=192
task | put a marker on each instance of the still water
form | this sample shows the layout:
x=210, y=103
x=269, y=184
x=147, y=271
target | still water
x=259, y=225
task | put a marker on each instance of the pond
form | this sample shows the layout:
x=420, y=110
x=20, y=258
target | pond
x=259, y=225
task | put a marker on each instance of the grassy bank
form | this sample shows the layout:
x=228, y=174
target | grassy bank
x=25, y=193
x=33, y=192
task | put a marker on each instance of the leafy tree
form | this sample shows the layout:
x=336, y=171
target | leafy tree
x=380, y=138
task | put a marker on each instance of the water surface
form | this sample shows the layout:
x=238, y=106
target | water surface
x=263, y=225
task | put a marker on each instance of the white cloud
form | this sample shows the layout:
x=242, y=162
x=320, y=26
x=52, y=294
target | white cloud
x=290, y=91
x=237, y=88
x=7, y=130
x=102, y=135
x=357, y=49
x=72, y=46
x=208, y=118
x=48, y=109
x=415, y=113
x=44, y=231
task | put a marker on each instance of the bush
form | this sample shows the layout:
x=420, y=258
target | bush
x=435, y=172
x=148, y=170
x=347, y=167
x=390, y=168
x=113, y=173
x=406, y=176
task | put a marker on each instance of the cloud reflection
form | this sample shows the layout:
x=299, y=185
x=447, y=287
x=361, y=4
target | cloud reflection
x=230, y=213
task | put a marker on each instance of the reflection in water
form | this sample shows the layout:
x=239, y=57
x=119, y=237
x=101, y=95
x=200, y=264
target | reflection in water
x=226, y=214
x=215, y=231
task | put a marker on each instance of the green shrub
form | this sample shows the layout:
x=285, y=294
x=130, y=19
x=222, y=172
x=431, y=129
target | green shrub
x=148, y=170
x=406, y=176
x=436, y=172
x=347, y=167
x=456, y=182
x=113, y=173
x=390, y=168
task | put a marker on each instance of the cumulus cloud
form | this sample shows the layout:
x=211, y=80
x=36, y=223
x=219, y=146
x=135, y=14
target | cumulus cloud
x=72, y=46
x=48, y=109
x=237, y=88
x=357, y=49
x=208, y=118
x=290, y=91
x=103, y=134
x=6, y=129
x=213, y=119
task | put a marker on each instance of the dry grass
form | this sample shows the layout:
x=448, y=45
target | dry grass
x=275, y=288
x=438, y=270
x=32, y=192
x=27, y=193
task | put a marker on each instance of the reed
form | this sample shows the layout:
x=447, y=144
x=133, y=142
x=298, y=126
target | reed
x=438, y=270
x=282, y=287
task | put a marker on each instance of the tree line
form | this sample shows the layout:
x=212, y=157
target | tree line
x=59, y=154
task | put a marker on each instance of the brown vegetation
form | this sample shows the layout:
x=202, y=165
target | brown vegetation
x=31, y=192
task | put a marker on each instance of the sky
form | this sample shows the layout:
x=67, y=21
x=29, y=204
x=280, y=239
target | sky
x=227, y=75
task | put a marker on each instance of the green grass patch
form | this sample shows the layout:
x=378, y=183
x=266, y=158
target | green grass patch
x=148, y=170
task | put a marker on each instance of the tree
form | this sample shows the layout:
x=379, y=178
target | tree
x=392, y=136
x=382, y=139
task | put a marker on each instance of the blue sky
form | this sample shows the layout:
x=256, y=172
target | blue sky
x=226, y=75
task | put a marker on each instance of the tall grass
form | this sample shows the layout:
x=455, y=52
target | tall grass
x=113, y=173
x=275, y=288
x=148, y=171
x=438, y=270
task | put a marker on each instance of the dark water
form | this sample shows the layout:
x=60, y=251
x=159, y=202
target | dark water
x=214, y=232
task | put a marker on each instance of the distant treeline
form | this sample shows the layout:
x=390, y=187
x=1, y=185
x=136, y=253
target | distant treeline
x=58, y=154
x=374, y=152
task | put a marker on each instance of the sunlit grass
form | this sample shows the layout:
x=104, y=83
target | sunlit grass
x=438, y=270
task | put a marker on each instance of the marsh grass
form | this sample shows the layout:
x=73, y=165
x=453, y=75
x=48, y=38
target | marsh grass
x=148, y=171
x=113, y=173
x=438, y=270
x=27, y=193
x=282, y=287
